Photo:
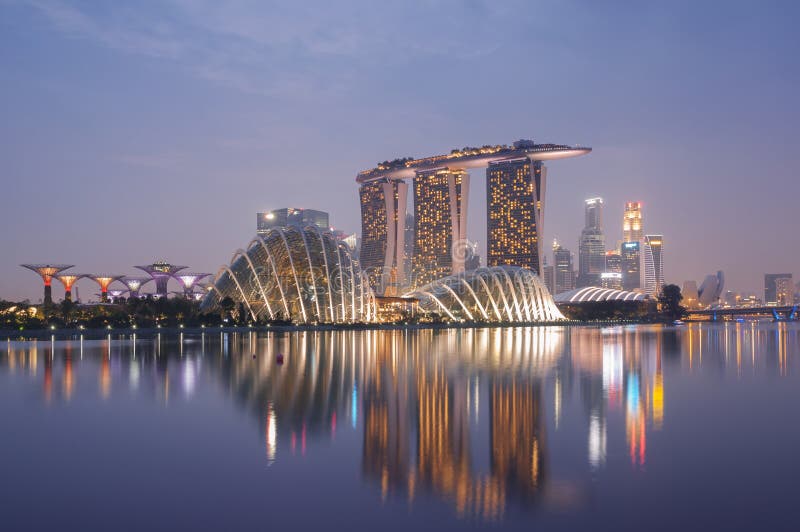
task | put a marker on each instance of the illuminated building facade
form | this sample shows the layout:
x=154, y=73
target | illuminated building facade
x=653, y=253
x=514, y=217
x=631, y=261
x=771, y=287
x=290, y=216
x=632, y=222
x=381, y=224
x=383, y=216
x=440, y=224
x=47, y=272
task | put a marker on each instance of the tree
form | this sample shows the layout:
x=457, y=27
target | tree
x=227, y=305
x=669, y=301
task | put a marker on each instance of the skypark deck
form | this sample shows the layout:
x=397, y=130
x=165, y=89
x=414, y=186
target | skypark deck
x=471, y=158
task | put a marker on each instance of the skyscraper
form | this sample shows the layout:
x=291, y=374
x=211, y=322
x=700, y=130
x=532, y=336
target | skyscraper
x=592, y=247
x=630, y=259
x=383, y=215
x=564, y=271
x=290, y=216
x=771, y=282
x=514, y=213
x=440, y=224
x=653, y=264
x=632, y=222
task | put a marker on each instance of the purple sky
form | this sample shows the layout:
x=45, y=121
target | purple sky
x=158, y=129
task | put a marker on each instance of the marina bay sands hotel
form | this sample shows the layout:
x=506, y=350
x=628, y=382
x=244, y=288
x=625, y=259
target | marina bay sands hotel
x=515, y=189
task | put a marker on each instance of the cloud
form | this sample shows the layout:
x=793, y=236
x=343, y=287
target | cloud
x=290, y=50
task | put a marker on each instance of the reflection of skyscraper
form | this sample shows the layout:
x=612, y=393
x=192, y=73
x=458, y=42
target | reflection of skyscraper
x=440, y=224
x=383, y=215
x=514, y=193
x=653, y=264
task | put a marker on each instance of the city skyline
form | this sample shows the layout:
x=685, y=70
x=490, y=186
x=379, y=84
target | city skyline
x=115, y=134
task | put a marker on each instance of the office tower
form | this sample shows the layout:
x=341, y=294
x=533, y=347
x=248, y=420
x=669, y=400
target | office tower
x=592, y=246
x=653, y=253
x=771, y=287
x=632, y=222
x=294, y=217
x=409, y=242
x=613, y=261
x=691, y=295
x=514, y=213
x=564, y=272
x=440, y=224
x=383, y=215
x=630, y=259
x=784, y=291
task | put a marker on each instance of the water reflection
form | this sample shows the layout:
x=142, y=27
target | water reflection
x=468, y=417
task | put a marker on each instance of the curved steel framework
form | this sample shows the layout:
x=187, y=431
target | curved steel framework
x=189, y=281
x=134, y=284
x=68, y=280
x=497, y=294
x=47, y=272
x=104, y=281
x=594, y=293
x=161, y=272
x=304, y=275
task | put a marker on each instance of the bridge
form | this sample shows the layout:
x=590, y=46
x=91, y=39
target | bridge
x=786, y=313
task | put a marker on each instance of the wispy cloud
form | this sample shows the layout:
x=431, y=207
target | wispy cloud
x=290, y=49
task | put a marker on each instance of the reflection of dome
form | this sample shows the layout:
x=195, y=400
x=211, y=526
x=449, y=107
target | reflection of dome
x=594, y=293
x=301, y=274
x=498, y=294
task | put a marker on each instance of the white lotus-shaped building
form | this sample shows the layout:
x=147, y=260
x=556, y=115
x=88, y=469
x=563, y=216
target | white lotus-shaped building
x=507, y=294
x=304, y=275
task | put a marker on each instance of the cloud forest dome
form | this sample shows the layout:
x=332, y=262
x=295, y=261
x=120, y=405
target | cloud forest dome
x=498, y=294
x=304, y=275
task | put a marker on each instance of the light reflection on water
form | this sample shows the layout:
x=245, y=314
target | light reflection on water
x=484, y=425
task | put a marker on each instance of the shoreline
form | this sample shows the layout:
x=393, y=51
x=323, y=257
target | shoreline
x=50, y=334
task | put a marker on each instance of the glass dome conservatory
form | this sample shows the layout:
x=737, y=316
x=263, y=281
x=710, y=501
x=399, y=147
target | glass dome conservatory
x=498, y=294
x=304, y=275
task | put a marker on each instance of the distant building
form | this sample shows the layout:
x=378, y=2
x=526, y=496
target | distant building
x=632, y=222
x=290, y=216
x=613, y=262
x=710, y=290
x=564, y=270
x=592, y=246
x=690, y=295
x=514, y=213
x=549, y=277
x=631, y=262
x=771, y=287
x=653, y=253
x=784, y=291
x=611, y=280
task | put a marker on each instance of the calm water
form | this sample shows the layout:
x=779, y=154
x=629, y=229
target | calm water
x=619, y=428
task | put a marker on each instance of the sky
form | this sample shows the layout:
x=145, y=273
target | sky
x=131, y=132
